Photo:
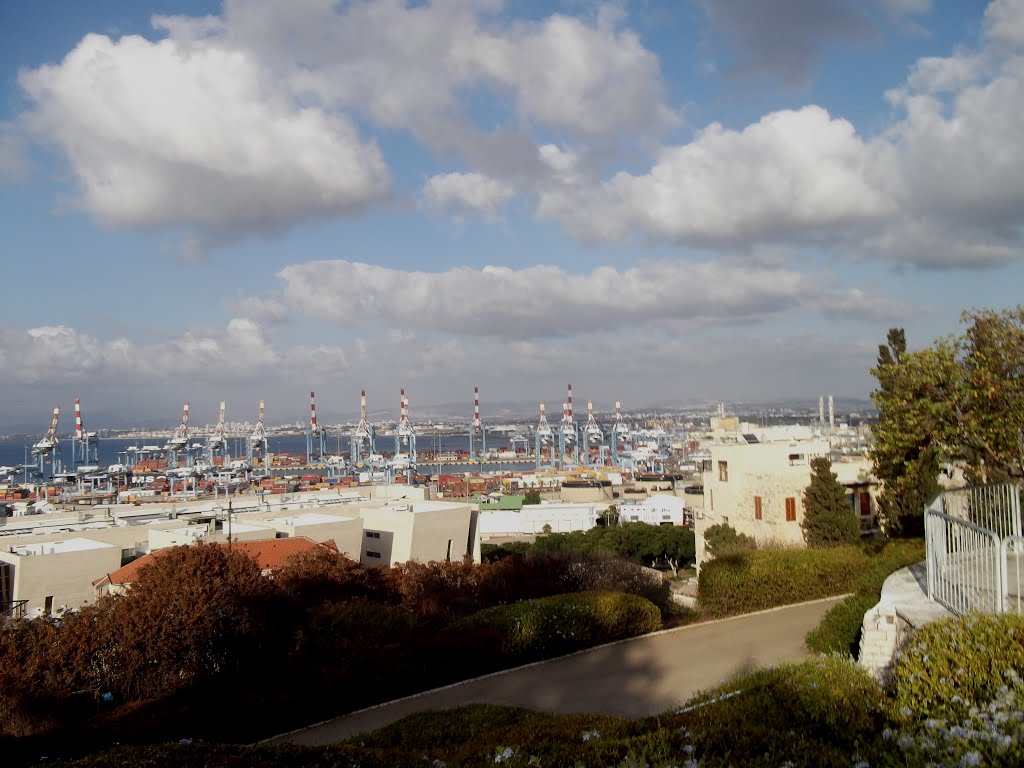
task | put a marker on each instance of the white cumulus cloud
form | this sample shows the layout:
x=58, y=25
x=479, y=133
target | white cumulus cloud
x=172, y=134
x=548, y=301
x=791, y=173
x=468, y=192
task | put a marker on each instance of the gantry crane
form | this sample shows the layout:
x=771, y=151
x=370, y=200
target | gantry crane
x=405, y=437
x=179, y=442
x=86, y=449
x=217, y=443
x=622, y=437
x=593, y=438
x=316, y=436
x=542, y=438
x=477, y=430
x=364, y=436
x=568, y=436
x=48, y=448
x=258, y=450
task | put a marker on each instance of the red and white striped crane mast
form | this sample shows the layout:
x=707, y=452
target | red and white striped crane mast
x=316, y=436
x=86, y=450
x=477, y=430
x=568, y=435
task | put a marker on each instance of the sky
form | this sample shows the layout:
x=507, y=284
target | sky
x=660, y=203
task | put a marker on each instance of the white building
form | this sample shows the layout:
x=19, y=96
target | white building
x=660, y=509
x=531, y=521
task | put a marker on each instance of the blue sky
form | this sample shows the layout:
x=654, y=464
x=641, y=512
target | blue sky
x=658, y=202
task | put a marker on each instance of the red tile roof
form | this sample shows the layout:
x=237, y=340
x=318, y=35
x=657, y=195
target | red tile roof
x=269, y=554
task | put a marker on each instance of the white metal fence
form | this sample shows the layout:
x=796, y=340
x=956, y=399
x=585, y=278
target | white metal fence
x=974, y=544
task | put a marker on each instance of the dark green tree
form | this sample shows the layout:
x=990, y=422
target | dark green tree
x=992, y=407
x=917, y=399
x=828, y=516
x=721, y=539
x=531, y=496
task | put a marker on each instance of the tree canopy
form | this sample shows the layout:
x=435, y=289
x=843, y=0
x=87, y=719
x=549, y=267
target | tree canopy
x=960, y=400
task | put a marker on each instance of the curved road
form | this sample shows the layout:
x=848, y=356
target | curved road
x=635, y=678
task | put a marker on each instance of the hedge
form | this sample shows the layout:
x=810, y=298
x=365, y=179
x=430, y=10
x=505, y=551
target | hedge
x=743, y=582
x=954, y=665
x=560, y=624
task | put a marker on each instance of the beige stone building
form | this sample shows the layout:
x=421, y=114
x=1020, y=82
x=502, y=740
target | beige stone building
x=757, y=489
x=55, y=575
x=421, y=531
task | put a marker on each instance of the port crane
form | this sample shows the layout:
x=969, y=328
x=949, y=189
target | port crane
x=49, y=446
x=542, y=438
x=568, y=435
x=622, y=436
x=364, y=436
x=217, y=443
x=257, y=448
x=178, y=443
x=477, y=430
x=316, y=436
x=594, y=437
x=86, y=447
x=405, y=436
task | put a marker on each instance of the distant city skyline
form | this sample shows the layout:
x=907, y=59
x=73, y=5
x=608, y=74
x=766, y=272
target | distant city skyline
x=658, y=202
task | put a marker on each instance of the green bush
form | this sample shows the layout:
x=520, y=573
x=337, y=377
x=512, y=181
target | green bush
x=752, y=581
x=952, y=666
x=563, y=623
x=839, y=630
x=722, y=539
x=820, y=712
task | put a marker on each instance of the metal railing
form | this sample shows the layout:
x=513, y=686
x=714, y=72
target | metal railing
x=1010, y=551
x=973, y=546
x=13, y=610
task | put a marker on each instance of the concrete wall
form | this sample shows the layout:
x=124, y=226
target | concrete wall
x=438, y=524
x=393, y=540
x=65, y=576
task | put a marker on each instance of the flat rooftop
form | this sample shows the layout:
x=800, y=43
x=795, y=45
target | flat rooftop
x=59, y=547
x=308, y=518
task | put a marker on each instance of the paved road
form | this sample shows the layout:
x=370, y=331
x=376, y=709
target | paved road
x=634, y=678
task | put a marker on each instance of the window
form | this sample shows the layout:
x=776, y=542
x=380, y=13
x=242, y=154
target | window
x=48, y=605
x=448, y=557
x=373, y=534
x=757, y=507
x=790, y=510
x=865, y=504
x=797, y=458
x=373, y=554
x=723, y=471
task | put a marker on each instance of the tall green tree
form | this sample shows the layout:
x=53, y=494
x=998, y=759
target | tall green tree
x=992, y=351
x=828, y=516
x=918, y=400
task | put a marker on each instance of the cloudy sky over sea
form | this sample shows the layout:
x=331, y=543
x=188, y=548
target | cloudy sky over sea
x=655, y=201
